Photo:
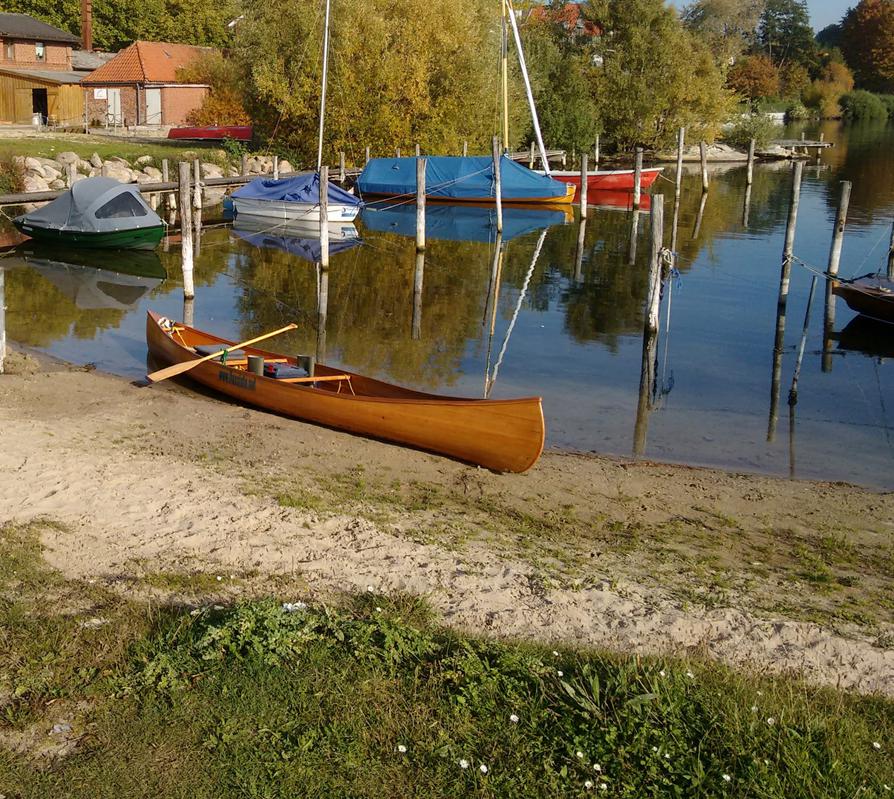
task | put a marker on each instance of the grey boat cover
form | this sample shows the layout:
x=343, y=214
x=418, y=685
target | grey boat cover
x=95, y=205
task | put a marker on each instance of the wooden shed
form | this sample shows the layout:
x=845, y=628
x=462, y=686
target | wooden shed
x=56, y=95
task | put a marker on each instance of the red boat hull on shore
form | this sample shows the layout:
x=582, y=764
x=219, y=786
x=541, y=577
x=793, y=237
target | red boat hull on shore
x=615, y=179
x=237, y=132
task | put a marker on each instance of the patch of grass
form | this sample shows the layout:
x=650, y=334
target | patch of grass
x=189, y=583
x=49, y=147
x=373, y=699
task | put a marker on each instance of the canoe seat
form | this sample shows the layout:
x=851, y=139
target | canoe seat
x=210, y=349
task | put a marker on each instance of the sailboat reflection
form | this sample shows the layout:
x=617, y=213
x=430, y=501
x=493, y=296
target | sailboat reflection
x=295, y=238
x=463, y=222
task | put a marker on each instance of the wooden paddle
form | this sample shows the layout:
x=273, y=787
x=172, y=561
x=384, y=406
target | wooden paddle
x=180, y=368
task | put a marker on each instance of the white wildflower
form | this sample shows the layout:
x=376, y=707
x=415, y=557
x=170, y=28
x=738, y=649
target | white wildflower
x=588, y=784
x=760, y=693
x=560, y=673
x=219, y=578
x=378, y=610
x=401, y=748
x=690, y=675
x=726, y=777
x=754, y=708
x=597, y=767
x=876, y=745
x=370, y=589
x=294, y=607
x=513, y=718
x=603, y=786
x=579, y=754
x=661, y=673
x=482, y=768
x=555, y=653
x=771, y=721
x=463, y=763
x=654, y=748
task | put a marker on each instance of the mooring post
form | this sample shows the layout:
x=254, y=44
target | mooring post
x=832, y=270
x=70, y=171
x=531, y=156
x=596, y=154
x=243, y=165
x=322, y=307
x=417, y=295
x=637, y=177
x=465, y=148
x=784, y=279
x=397, y=152
x=341, y=166
x=498, y=185
x=186, y=231
x=172, y=196
x=367, y=154
x=276, y=167
x=579, y=252
x=749, y=173
x=418, y=150
x=703, y=153
x=583, y=184
x=324, y=217
x=655, y=264
x=420, y=204
x=681, y=143
x=189, y=311
x=197, y=184
x=634, y=233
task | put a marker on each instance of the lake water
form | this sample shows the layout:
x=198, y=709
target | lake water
x=568, y=324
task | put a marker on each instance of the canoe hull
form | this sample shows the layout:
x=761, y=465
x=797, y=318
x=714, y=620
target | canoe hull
x=145, y=238
x=292, y=211
x=503, y=435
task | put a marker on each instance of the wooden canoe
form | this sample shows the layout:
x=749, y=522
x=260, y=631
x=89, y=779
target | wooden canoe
x=503, y=435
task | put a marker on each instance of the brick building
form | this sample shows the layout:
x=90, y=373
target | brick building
x=36, y=75
x=139, y=86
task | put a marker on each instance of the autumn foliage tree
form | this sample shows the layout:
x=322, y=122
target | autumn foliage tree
x=754, y=77
x=867, y=41
x=223, y=104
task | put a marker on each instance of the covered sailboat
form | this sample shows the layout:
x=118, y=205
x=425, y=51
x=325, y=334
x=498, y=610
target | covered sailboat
x=294, y=199
x=462, y=179
x=96, y=212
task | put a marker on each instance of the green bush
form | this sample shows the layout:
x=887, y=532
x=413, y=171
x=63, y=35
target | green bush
x=760, y=127
x=861, y=104
x=797, y=111
x=888, y=100
x=12, y=177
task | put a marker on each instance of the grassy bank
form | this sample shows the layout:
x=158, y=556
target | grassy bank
x=101, y=695
x=49, y=147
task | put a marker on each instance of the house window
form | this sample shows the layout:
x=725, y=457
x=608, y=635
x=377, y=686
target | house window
x=10, y=51
x=39, y=51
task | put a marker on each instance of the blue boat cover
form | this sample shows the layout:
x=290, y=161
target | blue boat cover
x=461, y=222
x=299, y=189
x=457, y=178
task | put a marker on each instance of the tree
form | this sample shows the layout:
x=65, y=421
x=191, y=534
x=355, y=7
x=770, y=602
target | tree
x=401, y=72
x=867, y=40
x=835, y=80
x=754, y=77
x=656, y=76
x=784, y=33
x=829, y=37
x=727, y=26
x=223, y=104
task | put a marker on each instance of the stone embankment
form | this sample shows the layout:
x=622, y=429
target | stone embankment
x=48, y=174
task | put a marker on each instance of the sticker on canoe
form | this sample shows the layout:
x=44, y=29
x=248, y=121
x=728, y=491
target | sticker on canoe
x=236, y=379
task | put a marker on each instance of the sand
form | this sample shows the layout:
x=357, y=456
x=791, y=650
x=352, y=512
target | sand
x=155, y=479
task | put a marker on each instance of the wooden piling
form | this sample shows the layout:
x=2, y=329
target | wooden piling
x=681, y=144
x=531, y=156
x=637, y=177
x=583, y=184
x=189, y=311
x=341, y=166
x=165, y=177
x=746, y=211
x=418, y=150
x=324, y=217
x=703, y=153
x=832, y=269
x=465, y=148
x=186, y=231
x=498, y=184
x=579, y=251
x=634, y=233
x=397, y=152
x=322, y=306
x=197, y=185
x=420, y=204
x=276, y=167
x=243, y=165
x=596, y=154
x=749, y=172
x=822, y=136
x=367, y=154
x=655, y=264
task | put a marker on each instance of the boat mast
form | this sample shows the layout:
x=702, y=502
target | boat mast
x=504, y=59
x=323, y=96
x=524, y=69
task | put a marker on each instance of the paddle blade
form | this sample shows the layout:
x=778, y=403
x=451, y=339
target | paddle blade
x=171, y=371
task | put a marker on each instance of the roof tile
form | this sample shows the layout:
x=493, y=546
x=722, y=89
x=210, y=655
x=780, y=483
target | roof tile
x=147, y=62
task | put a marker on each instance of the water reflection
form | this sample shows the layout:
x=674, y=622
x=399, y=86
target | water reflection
x=295, y=238
x=554, y=309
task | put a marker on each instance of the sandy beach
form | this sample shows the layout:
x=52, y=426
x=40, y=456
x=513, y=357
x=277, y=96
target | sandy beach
x=780, y=576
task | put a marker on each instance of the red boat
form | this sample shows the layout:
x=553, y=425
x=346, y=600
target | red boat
x=237, y=132
x=616, y=179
